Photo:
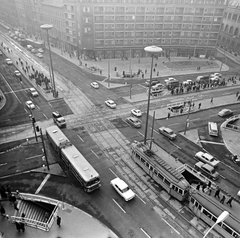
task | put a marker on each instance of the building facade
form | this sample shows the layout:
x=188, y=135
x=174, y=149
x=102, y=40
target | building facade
x=229, y=38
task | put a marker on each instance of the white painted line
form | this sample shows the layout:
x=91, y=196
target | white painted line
x=80, y=138
x=145, y=233
x=32, y=157
x=88, y=94
x=175, y=145
x=38, y=107
x=140, y=199
x=196, y=119
x=95, y=154
x=113, y=172
x=45, y=116
x=212, y=142
x=50, y=104
x=99, y=102
x=154, y=130
x=119, y=206
x=171, y=226
x=212, y=115
x=3, y=164
x=173, y=124
x=140, y=133
x=43, y=183
x=226, y=93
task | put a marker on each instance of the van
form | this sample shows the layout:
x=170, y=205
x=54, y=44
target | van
x=212, y=129
x=202, y=79
x=207, y=170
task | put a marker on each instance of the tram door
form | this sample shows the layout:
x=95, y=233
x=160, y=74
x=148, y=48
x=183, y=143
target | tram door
x=151, y=170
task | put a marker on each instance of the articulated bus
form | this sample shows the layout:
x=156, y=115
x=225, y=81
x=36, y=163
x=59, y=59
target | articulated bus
x=209, y=208
x=162, y=173
x=86, y=175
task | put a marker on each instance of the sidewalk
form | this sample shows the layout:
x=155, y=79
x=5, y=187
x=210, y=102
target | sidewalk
x=74, y=223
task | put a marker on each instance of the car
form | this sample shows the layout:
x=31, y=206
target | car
x=136, y=112
x=169, y=133
x=187, y=82
x=33, y=50
x=216, y=75
x=29, y=47
x=207, y=158
x=30, y=105
x=167, y=81
x=33, y=92
x=15, y=37
x=206, y=170
x=9, y=61
x=153, y=82
x=17, y=73
x=40, y=50
x=59, y=120
x=95, y=85
x=134, y=122
x=225, y=112
x=122, y=189
x=39, y=55
x=110, y=103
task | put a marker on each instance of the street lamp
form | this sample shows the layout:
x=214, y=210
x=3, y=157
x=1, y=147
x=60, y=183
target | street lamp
x=153, y=50
x=48, y=27
x=222, y=217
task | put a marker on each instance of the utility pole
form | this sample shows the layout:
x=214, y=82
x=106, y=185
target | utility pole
x=152, y=130
x=131, y=91
x=44, y=149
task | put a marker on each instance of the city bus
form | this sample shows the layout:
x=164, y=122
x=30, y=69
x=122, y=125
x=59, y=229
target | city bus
x=208, y=208
x=169, y=178
x=79, y=167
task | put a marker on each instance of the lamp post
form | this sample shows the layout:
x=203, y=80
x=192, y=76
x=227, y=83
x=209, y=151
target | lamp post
x=153, y=50
x=222, y=217
x=48, y=27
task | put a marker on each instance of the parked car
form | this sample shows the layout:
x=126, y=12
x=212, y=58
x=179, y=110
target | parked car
x=110, y=103
x=167, y=132
x=202, y=79
x=207, y=158
x=134, y=122
x=59, y=120
x=9, y=61
x=39, y=55
x=225, y=112
x=40, y=50
x=17, y=73
x=153, y=82
x=216, y=75
x=33, y=92
x=136, y=112
x=33, y=51
x=167, y=81
x=187, y=82
x=30, y=105
x=122, y=189
x=206, y=170
x=95, y=85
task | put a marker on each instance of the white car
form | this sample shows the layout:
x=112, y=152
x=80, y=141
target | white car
x=136, y=112
x=95, y=85
x=39, y=55
x=225, y=112
x=40, y=50
x=167, y=132
x=122, y=188
x=30, y=105
x=9, y=61
x=17, y=73
x=216, y=75
x=187, y=82
x=33, y=92
x=167, y=81
x=110, y=103
x=33, y=51
x=207, y=158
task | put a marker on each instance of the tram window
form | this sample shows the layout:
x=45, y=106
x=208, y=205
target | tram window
x=151, y=168
x=142, y=160
x=192, y=200
x=214, y=219
x=138, y=156
x=147, y=164
x=196, y=204
x=173, y=187
x=155, y=172
x=160, y=176
x=227, y=229
x=236, y=235
x=200, y=207
x=205, y=212
x=167, y=182
x=180, y=191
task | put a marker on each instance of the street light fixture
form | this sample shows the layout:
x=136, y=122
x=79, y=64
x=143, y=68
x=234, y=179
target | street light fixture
x=48, y=27
x=222, y=217
x=153, y=50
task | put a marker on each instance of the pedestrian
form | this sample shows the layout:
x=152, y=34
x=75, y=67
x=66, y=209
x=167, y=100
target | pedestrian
x=211, y=100
x=59, y=221
x=22, y=226
x=198, y=186
x=223, y=199
x=209, y=191
x=230, y=201
x=168, y=116
x=18, y=227
x=217, y=193
x=209, y=184
x=2, y=210
x=203, y=187
x=199, y=105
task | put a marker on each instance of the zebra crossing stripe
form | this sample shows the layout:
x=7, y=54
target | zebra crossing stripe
x=42, y=183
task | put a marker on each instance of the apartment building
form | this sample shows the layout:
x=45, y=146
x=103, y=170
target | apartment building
x=111, y=28
x=229, y=38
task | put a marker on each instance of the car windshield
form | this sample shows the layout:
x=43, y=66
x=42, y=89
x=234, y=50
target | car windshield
x=170, y=133
x=125, y=189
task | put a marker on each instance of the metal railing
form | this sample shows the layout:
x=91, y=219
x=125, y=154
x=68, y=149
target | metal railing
x=228, y=125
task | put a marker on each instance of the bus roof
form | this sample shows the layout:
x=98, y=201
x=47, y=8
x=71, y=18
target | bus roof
x=80, y=163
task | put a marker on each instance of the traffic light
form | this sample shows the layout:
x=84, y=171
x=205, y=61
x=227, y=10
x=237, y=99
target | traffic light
x=33, y=120
x=37, y=128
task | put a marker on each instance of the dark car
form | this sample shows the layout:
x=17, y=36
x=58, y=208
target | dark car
x=134, y=122
x=154, y=82
x=59, y=120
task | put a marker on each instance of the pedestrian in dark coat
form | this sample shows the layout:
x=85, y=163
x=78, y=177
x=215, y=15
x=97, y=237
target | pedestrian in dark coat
x=59, y=221
x=2, y=210
x=223, y=199
x=229, y=202
x=198, y=186
x=204, y=186
x=217, y=193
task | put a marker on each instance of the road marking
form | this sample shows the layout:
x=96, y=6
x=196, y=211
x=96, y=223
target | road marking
x=226, y=93
x=99, y=102
x=43, y=183
x=174, y=124
x=140, y=133
x=212, y=115
x=171, y=226
x=45, y=116
x=119, y=206
x=212, y=142
x=196, y=119
x=88, y=94
x=145, y=232
x=3, y=164
x=80, y=138
x=175, y=145
x=38, y=107
x=32, y=157
x=113, y=172
x=140, y=199
x=154, y=130
x=50, y=104
x=95, y=154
